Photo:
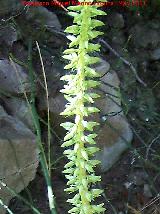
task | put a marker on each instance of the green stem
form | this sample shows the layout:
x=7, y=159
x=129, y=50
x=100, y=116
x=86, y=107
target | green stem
x=43, y=160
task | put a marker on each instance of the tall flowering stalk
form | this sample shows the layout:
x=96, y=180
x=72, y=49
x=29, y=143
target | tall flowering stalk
x=79, y=139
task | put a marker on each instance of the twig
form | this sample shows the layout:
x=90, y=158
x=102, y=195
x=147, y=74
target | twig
x=124, y=61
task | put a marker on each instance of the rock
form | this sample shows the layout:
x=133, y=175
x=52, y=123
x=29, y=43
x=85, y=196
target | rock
x=144, y=36
x=18, y=108
x=155, y=55
x=119, y=38
x=116, y=20
x=115, y=135
x=10, y=6
x=8, y=35
x=13, y=78
x=102, y=68
x=18, y=156
x=113, y=139
x=138, y=177
x=42, y=16
x=147, y=191
x=20, y=52
x=11, y=128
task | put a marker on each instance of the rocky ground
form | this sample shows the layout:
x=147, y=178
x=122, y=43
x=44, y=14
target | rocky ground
x=129, y=134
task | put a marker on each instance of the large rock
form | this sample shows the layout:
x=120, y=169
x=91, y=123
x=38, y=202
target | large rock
x=145, y=35
x=114, y=136
x=18, y=156
x=13, y=78
x=42, y=16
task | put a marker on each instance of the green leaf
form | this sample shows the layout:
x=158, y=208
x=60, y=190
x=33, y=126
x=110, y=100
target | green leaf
x=90, y=72
x=96, y=12
x=96, y=23
x=92, y=150
x=67, y=125
x=69, y=51
x=94, y=163
x=92, y=109
x=74, y=14
x=74, y=209
x=93, y=47
x=70, y=134
x=89, y=168
x=84, y=154
x=70, y=189
x=89, y=138
x=91, y=60
x=89, y=197
x=96, y=192
x=68, y=152
x=75, y=8
x=91, y=83
x=89, y=125
x=69, y=164
x=73, y=29
x=94, y=178
x=68, y=171
x=68, y=143
x=70, y=56
x=74, y=42
x=93, y=34
x=98, y=208
x=69, y=77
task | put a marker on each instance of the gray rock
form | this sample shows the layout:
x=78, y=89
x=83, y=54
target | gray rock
x=13, y=78
x=8, y=34
x=102, y=68
x=19, y=108
x=143, y=36
x=155, y=55
x=115, y=135
x=138, y=177
x=147, y=191
x=12, y=128
x=119, y=38
x=116, y=20
x=18, y=156
x=41, y=15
